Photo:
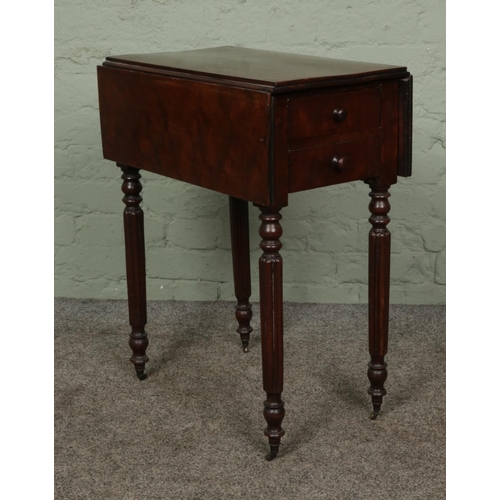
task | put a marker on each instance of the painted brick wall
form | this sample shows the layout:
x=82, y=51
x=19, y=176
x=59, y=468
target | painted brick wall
x=187, y=228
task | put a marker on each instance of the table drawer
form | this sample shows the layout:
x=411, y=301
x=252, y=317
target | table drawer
x=334, y=163
x=334, y=113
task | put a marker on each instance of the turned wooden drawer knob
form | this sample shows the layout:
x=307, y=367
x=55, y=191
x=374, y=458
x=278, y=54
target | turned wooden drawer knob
x=339, y=115
x=340, y=162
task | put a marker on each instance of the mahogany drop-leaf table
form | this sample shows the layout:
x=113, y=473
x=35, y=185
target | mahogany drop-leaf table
x=257, y=125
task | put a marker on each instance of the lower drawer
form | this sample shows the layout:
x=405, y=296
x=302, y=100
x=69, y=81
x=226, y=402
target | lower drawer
x=334, y=163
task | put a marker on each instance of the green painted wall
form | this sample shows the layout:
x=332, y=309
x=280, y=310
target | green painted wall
x=325, y=231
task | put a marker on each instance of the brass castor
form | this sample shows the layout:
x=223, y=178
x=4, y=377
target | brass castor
x=274, y=451
x=245, y=345
x=376, y=411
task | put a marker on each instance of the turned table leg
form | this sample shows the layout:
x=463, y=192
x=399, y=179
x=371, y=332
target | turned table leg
x=240, y=246
x=133, y=219
x=378, y=292
x=271, y=320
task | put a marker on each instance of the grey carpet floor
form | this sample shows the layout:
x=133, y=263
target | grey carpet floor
x=194, y=428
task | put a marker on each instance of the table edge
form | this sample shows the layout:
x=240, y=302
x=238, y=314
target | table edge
x=262, y=86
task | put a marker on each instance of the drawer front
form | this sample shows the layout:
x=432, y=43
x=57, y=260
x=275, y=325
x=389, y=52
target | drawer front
x=334, y=113
x=334, y=163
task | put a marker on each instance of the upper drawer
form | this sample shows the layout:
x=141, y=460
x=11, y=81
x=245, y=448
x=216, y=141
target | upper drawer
x=334, y=113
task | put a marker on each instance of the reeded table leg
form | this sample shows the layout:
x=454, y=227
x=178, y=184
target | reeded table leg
x=133, y=219
x=271, y=318
x=240, y=245
x=378, y=292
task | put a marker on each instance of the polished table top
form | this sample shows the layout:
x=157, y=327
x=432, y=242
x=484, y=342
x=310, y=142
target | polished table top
x=278, y=70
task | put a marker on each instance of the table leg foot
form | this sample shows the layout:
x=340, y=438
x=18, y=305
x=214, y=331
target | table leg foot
x=274, y=412
x=139, y=343
x=244, y=315
x=274, y=446
x=273, y=453
x=377, y=374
